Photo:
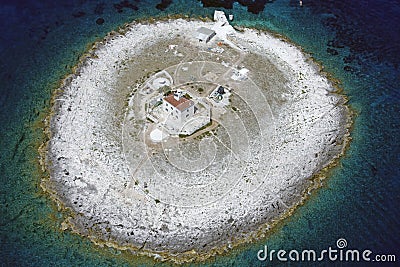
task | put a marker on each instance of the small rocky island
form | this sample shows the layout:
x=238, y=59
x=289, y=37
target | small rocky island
x=180, y=139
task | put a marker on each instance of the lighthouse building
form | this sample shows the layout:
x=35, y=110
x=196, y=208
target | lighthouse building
x=178, y=108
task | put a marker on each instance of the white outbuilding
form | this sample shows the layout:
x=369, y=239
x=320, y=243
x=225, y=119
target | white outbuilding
x=204, y=34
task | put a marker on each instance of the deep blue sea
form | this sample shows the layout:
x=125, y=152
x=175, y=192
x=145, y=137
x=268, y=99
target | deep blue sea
x=357, y=41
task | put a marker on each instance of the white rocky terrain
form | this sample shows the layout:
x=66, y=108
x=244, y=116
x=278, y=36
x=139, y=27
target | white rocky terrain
x=186, y=198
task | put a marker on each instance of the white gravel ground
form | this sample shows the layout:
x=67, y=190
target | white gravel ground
x=243, y=178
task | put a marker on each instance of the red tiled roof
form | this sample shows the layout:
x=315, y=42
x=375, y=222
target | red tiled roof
x=181, y=104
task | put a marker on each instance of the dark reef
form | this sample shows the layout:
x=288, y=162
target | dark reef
x=254, y=7
x=119, y=7
x=163, y=5
x=356, y=34
x=79, y=14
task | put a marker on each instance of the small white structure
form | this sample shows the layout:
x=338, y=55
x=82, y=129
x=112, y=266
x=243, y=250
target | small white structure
x=204, y=34
x=240, y=75
x=219, y=16
x=158, y=135
x=160, y=82
x=178, y=108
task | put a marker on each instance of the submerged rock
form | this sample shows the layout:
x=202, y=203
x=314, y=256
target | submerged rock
x=99, y=21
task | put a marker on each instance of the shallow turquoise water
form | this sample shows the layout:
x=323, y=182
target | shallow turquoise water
x=42, y=41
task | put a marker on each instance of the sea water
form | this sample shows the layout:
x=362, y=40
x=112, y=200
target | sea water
x=355, y=41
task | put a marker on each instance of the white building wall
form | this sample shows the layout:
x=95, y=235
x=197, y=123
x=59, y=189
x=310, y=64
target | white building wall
x=175, y=114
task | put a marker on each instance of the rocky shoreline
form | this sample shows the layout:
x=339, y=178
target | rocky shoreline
x=293, y=127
